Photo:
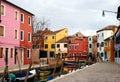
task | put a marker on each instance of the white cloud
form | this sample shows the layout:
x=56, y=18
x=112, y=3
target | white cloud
x=77, y=15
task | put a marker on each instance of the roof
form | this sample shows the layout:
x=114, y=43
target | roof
x=54, y=32
x=17, y=6
x=109, y=38
x=63, y=40
x=110, y=27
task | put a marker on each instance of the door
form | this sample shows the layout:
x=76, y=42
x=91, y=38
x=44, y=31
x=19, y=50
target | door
x=15, y=56
x=22, y=56
x=6, y=56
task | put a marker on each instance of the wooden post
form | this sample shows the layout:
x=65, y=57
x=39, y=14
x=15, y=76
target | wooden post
x=62, y=65
x=19, y=64
x=56, y=65
x=28, y=72
x=5, y=72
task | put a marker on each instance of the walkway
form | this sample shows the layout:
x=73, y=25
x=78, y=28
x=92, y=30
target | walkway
x=99, y=72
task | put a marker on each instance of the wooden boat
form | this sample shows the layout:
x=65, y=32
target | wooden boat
x=44, y=73
x=20, y=77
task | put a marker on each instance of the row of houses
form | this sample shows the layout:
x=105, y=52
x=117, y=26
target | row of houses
x=17, y=40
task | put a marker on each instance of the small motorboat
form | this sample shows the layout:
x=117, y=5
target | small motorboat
x=44, y=73
x=21, y=76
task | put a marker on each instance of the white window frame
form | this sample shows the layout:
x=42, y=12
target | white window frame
x=17, y=34
x=4, y=10
x=4, y=32
x=17, y=15
x=29, y=53
x=20, y=35
x=28, y=20
x=29, y=37
x=23, y=17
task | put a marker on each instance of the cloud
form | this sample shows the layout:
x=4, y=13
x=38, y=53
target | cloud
x=77, y=15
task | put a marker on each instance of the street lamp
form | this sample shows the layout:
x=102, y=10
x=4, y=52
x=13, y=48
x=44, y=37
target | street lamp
x=118, y=13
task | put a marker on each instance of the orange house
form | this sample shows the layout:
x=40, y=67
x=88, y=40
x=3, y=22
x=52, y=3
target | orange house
x=26, y=36
x=109, y=49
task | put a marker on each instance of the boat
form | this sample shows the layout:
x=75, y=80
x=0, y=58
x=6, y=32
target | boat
x=44, y=73
x=20, y=77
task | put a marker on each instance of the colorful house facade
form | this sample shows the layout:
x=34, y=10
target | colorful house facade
x=90, y=46
x=109, y=49
x=62, y=47
x=77, y=47
x=10, y=26
x=51, y=38
x=26, y=36
x=102, y=34
x=94, y=46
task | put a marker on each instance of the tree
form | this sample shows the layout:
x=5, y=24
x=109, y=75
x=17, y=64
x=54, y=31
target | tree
x=40, y=27
x=40, y=24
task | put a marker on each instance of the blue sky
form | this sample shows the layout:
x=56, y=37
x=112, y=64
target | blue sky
x=83, y=16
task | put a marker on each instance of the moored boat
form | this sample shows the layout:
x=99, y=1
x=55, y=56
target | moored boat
x=44, y=73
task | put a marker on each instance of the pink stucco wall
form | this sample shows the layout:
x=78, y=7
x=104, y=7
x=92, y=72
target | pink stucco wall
x=8, y=41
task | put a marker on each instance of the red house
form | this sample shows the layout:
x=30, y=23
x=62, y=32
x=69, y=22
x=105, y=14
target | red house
x=26, y=36
x=38, y=39
x=77, y=47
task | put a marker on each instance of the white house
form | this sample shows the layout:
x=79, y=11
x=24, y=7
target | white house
x=102, y=34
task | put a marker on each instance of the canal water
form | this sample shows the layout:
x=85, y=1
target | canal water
x=65, y=70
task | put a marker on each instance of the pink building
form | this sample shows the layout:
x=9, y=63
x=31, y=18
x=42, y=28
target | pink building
x=10, y=34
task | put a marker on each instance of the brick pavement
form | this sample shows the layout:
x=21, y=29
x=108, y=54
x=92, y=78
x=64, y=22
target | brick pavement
x=99, y=72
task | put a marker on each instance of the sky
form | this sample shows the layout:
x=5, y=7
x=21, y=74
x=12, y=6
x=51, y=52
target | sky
x=83, y=16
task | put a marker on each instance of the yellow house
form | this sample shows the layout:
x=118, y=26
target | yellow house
x=51, y=38
x=109, y=49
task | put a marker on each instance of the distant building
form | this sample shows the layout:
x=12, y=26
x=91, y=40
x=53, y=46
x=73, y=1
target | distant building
x=51, y=38
x=102, y=34
x=62, y=47
x=15, y=28
x=94, y=45
x=77, y=47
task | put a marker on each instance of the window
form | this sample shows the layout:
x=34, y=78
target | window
x=90, y=45
x=53, y=37
x=70, y=47
x=2, y=31
x=22, y=18
x=52, y=45
x=11, y=55
x=16, y=34
x=75, y=47
x=46, y=46
x=97, y=44
x=65, y=45
x=1, y=52
x=2, y=10
x=22, y=35
x=29, y=37
x=46, y=37
x=39, y=46
x=28, y=53
x=58, y=45
x=29, y=20
x=16, y=15
x=89, y=39
x=102, y=44
x=102, y=35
